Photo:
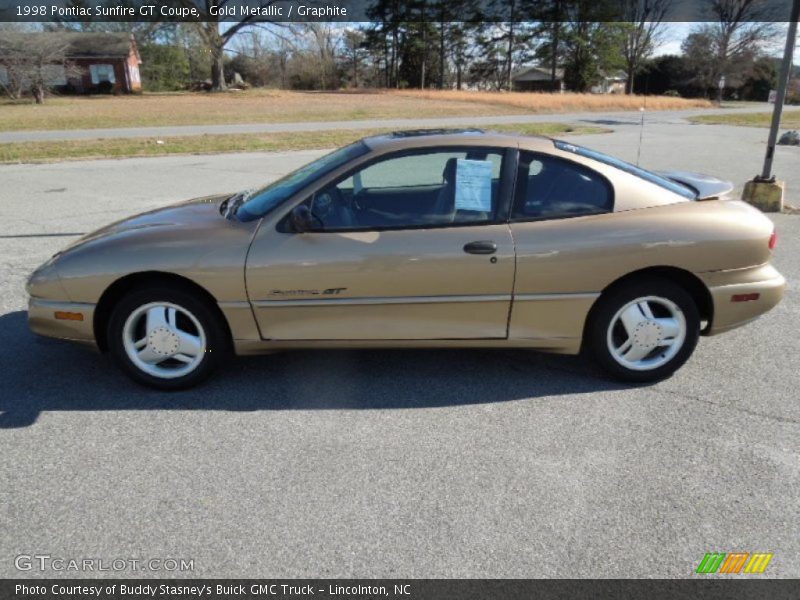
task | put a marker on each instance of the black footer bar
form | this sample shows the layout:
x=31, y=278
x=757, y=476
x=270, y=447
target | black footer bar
x=395, y=589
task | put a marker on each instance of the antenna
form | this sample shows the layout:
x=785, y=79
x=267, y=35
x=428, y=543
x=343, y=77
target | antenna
x=641, y=133
x=642, y=109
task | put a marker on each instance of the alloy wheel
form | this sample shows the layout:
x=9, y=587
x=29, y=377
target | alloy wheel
x=646, y=333
x=164, y=340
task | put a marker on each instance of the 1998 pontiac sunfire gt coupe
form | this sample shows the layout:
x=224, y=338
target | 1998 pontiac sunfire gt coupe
x=422, y=239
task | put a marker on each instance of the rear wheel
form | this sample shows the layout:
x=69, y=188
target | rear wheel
x=166, y=337
x=644, y=331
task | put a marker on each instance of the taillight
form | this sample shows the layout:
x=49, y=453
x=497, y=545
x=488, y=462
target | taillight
x=773, y=240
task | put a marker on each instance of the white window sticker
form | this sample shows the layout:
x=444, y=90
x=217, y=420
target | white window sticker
x=473, y=185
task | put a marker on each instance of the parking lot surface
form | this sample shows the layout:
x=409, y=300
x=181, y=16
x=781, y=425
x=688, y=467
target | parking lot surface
x=392, y=463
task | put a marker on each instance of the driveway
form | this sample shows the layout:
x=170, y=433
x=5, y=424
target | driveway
x=392, y=463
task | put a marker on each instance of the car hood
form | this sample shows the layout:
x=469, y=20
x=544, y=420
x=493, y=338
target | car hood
x=200, y=214
x=190, y=239
x=706, y=187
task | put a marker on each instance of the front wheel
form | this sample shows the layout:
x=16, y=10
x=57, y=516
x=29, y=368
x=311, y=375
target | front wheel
x=644, y=331
x=166, y=338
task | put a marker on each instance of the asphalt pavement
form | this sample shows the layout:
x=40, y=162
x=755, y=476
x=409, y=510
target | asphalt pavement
x=446, y=463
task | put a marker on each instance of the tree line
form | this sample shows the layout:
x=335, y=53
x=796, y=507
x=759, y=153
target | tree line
x=444, y=44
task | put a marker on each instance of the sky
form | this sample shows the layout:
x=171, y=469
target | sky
x=673, y=37
x=675, y=33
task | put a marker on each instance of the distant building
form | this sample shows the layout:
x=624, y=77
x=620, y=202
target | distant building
x=538, y=79
x=108, y=62
x=610, y=83
x=105, y=57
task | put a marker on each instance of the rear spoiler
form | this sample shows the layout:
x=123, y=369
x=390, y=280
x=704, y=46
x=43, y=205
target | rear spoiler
x=706, y=188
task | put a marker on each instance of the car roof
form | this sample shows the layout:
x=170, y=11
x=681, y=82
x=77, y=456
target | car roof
x=423, y=138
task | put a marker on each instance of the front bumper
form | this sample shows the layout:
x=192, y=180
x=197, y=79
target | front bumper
x=42, y=319
x=724, y=285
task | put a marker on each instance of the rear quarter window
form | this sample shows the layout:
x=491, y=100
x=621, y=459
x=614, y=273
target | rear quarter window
x=655, y=178
x=549, y=187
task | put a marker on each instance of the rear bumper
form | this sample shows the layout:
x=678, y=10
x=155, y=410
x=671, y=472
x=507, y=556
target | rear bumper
x=729, y=314
x=42, y=320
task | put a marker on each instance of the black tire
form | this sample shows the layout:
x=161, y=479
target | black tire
x=217, y=347
x=613, y=301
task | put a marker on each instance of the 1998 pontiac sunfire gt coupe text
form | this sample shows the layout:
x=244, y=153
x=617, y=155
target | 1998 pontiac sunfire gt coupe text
x=427, y=238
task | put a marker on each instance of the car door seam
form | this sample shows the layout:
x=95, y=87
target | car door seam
x=244, y=275
x=513, y=280
x=509, y=210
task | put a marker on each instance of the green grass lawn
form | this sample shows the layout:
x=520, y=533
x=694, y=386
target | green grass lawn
x=790, y=119
x=214, y=144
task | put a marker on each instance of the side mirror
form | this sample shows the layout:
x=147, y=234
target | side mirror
x=302, y=219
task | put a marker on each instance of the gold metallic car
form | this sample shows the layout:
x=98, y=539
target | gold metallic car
x=422, y=239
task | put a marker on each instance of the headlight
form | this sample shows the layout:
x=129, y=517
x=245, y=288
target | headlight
x=45, y=283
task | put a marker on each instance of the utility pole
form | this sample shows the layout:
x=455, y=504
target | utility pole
x=783, y=82
x=763, y=191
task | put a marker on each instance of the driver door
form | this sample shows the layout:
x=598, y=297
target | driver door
x=410, y=247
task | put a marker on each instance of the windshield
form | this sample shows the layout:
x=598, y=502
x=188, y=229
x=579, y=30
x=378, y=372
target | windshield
x=672, y=186
x=264, y=200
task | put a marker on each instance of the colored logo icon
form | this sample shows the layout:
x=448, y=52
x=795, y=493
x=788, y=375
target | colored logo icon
x=734, y=562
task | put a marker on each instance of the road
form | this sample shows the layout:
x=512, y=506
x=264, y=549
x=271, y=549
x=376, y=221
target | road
x=392, y=463
x=669, y=116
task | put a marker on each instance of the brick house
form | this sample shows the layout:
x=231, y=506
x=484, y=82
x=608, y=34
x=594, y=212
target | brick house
x=105, y=57
x=108, y=62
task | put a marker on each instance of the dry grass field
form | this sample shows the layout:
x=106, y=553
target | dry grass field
x=555, y=103
x=213, y=144
x=278, y=106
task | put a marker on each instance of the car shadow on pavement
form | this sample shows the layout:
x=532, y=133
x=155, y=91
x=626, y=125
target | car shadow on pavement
x=40, y=374
x=610, y=122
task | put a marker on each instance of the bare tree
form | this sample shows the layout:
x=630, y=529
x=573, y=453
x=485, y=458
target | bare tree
x=283, y=51
x=644, y=26
x=254, y=59
x=353, y=41
x=461, y=49
x=549, y=38
x=700, y=57
x=217, y=33
x=33, y=61
x=323, y=42
x=505, y=45
x=741, y=28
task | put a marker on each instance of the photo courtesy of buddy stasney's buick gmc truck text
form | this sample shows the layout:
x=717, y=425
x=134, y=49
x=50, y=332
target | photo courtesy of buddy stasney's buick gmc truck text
x=435, y=238
x=152, y=590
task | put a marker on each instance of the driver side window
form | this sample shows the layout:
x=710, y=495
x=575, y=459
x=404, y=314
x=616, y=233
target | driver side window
x=424, y=189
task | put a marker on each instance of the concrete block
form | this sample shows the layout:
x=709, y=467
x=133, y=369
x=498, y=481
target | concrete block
x=765, y=195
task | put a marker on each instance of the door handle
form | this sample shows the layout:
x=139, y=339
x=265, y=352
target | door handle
x=480, y=247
